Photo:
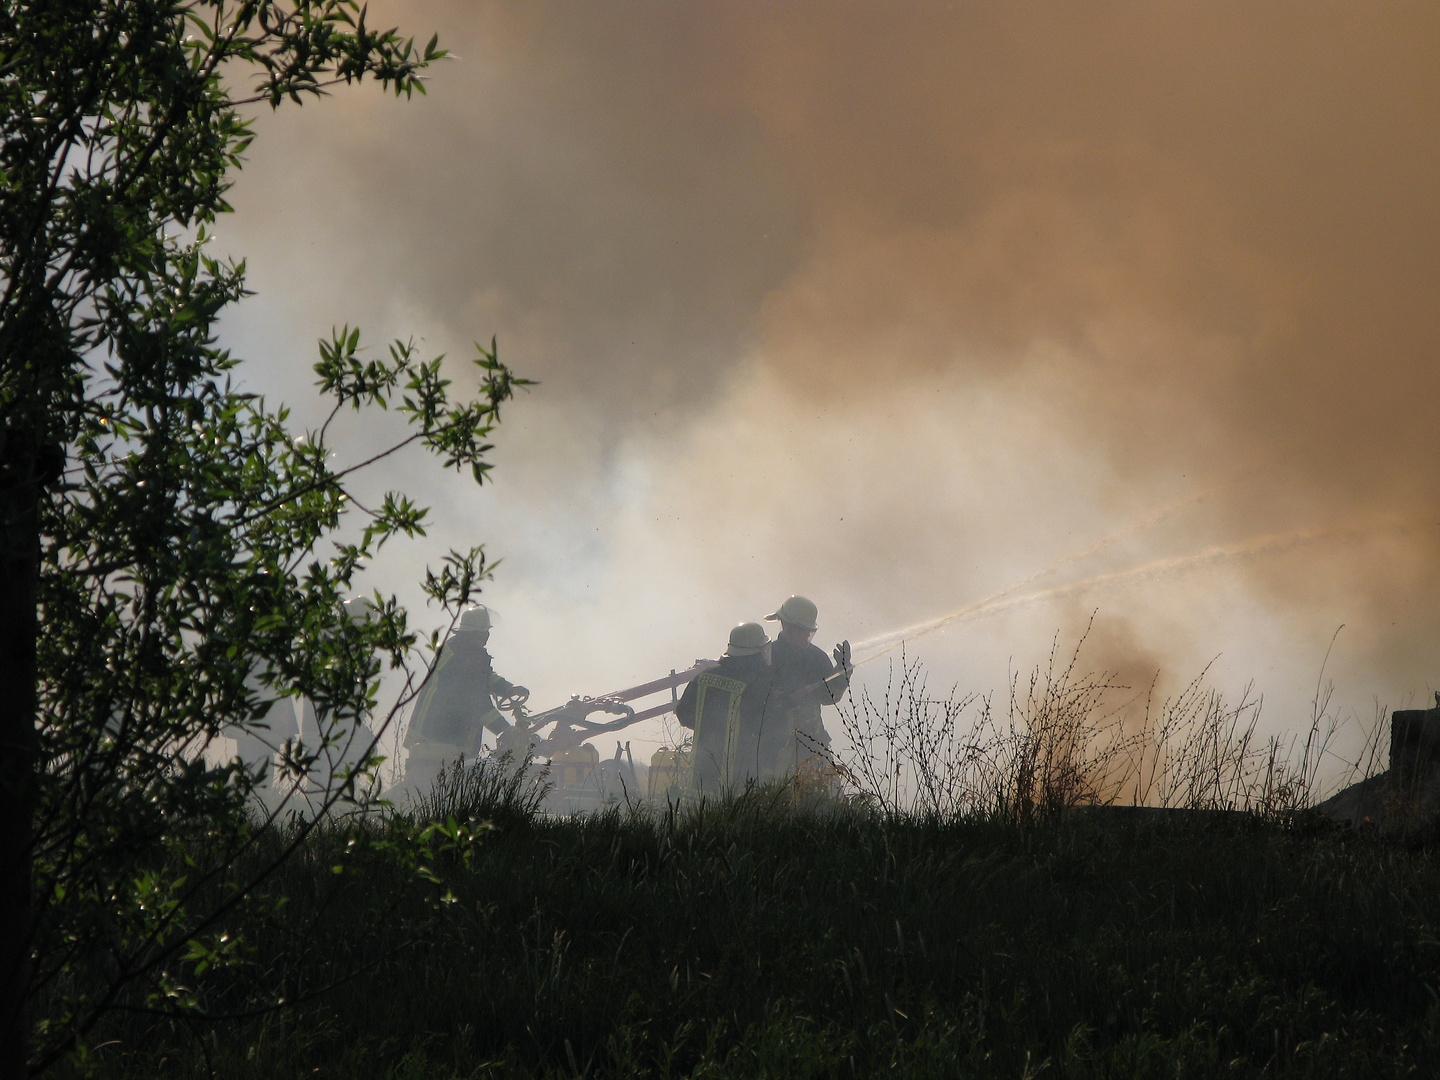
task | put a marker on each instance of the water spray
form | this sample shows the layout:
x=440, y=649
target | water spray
x=888, y=641
x=1007, y=600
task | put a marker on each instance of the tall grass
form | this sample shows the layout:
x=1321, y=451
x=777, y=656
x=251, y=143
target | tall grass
x=750, y=938
x=497, y=789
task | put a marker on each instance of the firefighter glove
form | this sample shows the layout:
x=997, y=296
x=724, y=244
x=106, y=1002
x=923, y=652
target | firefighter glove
x=842, y=658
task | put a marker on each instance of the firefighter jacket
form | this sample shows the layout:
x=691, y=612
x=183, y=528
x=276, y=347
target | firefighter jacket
x=459, y=698
x=804, y=680
x=258, y=740
x=725, y=707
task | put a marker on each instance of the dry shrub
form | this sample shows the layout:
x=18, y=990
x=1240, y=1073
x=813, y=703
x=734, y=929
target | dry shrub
x=1070, y=738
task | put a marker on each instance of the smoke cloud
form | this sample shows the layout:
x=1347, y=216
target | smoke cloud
x=1126, y=308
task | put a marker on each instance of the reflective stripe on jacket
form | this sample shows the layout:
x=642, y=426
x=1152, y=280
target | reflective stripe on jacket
x=458, y=699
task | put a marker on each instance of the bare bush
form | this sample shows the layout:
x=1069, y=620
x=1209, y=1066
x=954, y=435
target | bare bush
x=1070, y=738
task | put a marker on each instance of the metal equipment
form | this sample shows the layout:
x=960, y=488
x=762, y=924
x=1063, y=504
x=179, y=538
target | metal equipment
x=582, y=779
x=570, y=724
x=558, y=736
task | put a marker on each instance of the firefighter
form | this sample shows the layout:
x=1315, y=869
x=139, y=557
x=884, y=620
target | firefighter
x=725, y=707
x=805, y=680
x=340, y=745
x=460, y=701
x=257, y=741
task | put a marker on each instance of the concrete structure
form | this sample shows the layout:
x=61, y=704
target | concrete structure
x=1409, y=791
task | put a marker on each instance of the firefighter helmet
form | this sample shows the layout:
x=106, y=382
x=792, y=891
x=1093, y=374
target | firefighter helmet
x=797, y=611
x=475, y=620
x=747, y=639
x=360, y=609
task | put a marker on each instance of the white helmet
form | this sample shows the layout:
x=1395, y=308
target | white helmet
x=360, y=609
x=747, y=639
x=797, y=611
x=475, y=620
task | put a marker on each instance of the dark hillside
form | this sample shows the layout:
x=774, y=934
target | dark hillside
x=760, y=939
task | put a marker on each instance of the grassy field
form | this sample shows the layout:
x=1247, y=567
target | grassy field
x=766, y=937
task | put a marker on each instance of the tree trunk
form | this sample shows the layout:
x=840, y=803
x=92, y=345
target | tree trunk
x=19, y=577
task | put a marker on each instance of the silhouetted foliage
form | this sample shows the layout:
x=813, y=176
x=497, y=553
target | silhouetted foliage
x=167, y=571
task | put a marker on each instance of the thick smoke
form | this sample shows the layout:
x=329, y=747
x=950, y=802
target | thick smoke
x=901, y=305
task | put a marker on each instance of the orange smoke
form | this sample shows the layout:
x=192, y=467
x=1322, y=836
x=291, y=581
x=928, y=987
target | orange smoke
x=902, y=304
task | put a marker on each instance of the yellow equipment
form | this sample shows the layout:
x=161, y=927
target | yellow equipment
x=670, y=773
x=572, y=767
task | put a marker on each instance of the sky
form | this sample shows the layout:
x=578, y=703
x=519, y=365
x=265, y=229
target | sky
x=1118, y=315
